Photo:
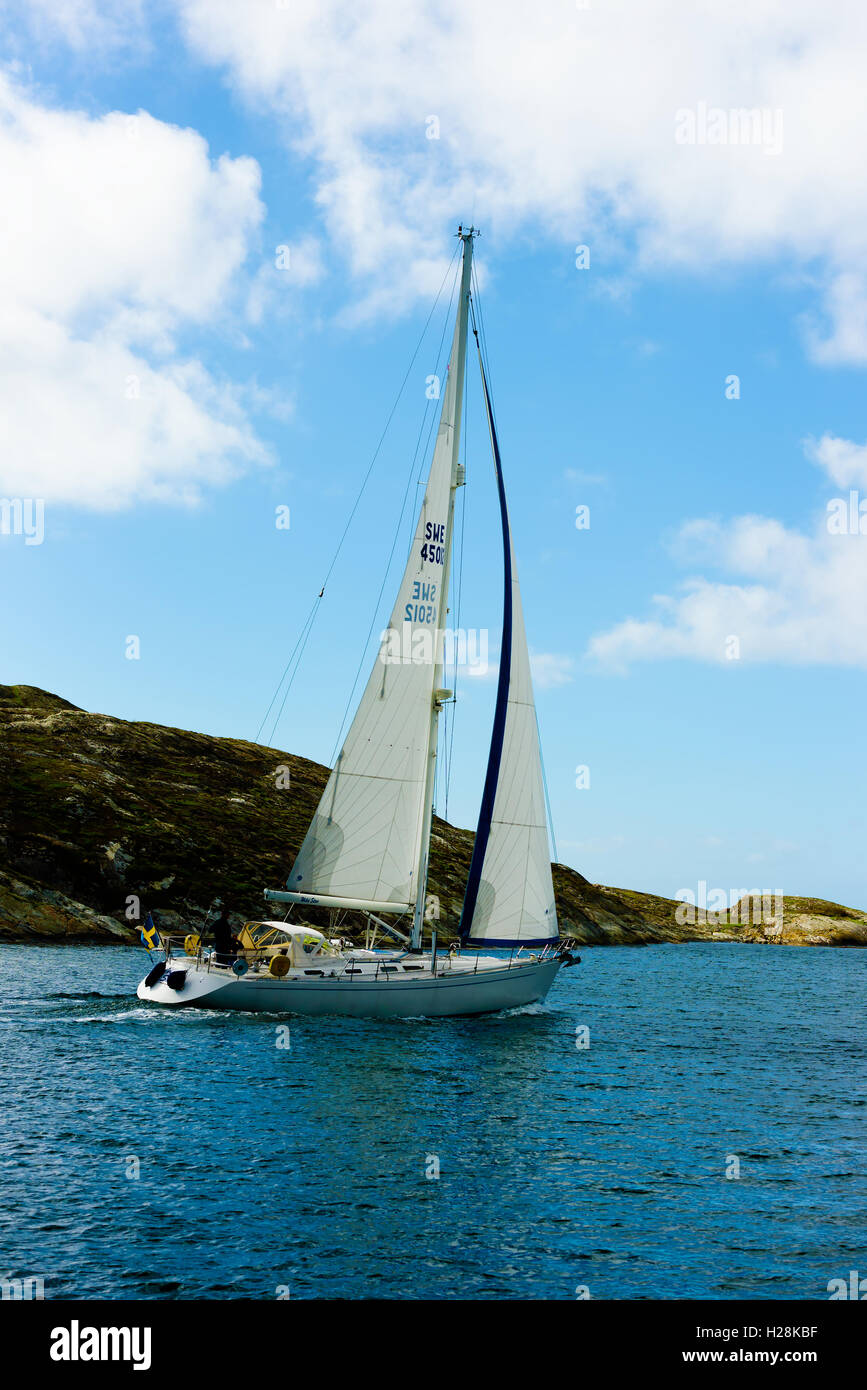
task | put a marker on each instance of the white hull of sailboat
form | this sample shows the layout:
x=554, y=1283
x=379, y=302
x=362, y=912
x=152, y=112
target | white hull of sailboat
x=449, y=993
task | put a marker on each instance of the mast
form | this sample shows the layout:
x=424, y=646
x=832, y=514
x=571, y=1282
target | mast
x=438, y=696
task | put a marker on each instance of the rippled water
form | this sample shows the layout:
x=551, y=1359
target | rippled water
x=263, y=1167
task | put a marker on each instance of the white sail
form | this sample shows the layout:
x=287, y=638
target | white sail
x=364, y=845
x=515, y=900
x=509, y=898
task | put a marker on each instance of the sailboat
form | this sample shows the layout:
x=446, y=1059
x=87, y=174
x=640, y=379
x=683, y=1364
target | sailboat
x=367, y=847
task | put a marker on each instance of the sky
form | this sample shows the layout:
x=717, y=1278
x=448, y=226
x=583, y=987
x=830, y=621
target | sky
x=225, y=250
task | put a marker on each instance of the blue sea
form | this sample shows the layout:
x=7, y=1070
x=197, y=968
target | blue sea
x=181, y=1155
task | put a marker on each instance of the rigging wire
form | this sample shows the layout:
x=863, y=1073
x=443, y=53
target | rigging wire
x=301, y=643
x=308, y=625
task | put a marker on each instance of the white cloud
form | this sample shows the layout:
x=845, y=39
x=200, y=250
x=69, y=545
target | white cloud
x=844, y=462
x=295, y=264
x=795, y=598
x=82, y=24
x=120, y=213
x=842, y=338
x=90, y=422
x=563, y=119
x=550, y=670
x=117, y=234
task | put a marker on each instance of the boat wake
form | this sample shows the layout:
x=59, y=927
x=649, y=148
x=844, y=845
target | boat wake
x=143, y=1014
x=87, y=994
x=540, y=1007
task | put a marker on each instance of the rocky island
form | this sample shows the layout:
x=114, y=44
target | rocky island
x=102, y=820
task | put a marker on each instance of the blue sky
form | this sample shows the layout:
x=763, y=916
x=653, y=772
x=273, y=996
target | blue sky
x=156, y=157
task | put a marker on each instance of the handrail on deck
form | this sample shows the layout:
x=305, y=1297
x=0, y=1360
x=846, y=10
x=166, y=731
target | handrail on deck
x=261, y=954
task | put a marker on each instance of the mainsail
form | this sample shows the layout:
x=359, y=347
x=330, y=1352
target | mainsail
x=509, y=898
x=366, y=845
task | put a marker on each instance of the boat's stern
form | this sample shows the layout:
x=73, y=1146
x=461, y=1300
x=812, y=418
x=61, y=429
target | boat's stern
x=179, y=981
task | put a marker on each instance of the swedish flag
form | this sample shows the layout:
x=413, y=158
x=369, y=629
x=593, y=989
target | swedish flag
x=149, y=934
